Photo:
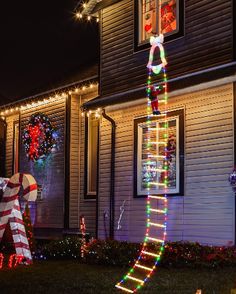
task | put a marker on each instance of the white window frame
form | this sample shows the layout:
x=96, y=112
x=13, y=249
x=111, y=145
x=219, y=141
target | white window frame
x=141, y=191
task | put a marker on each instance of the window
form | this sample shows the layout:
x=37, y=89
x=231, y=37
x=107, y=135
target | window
x=148, y=162
x=159, y=16
x=2, y=148
x=15, y=167
x=92, y=145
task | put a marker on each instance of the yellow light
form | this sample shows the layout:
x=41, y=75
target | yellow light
x=157, y=210
x=150, y=253
x=70, y=92
x=83, y=88
x=156, y=225
x=124, y=289
x=84, y=5
x=89, y=17
x=135, y=279
x=156, y=240
x=157, y=197
x=91, y=85
x=97, y=19
x=143, y=267
x=79, y=15
x=76, y=90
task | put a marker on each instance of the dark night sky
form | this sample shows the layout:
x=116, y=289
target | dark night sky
x=41, y=42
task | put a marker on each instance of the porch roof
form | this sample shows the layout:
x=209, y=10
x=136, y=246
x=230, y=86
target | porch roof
x=177, y=83
x=82, y=77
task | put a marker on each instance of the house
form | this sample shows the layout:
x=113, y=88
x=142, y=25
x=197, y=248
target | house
x=200, y=50
x=53, y=153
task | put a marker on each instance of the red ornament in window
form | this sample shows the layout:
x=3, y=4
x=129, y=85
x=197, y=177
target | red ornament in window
x=148, y=28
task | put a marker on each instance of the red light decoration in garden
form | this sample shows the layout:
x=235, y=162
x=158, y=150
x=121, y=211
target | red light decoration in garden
x=83, y=233
x=156, y=205
x=39, y=137
x=13, y=261
x=1, y=260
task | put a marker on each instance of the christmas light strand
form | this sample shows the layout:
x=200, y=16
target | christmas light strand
x=24, y=105
x=13, y=260
x=148, y=260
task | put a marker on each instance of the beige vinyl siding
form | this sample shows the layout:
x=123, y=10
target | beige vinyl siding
x=74, y=162
x=206, y=211
x=78, y=205
x=49, y=211
x=9, y=143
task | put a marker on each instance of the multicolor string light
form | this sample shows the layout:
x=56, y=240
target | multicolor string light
x=148, y=260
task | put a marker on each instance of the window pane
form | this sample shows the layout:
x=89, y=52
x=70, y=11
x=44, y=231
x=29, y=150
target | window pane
x=168, y=16
x=93, y=125
x=148, y=19
x=16, y=148
x=150, y=157
x=158, y=16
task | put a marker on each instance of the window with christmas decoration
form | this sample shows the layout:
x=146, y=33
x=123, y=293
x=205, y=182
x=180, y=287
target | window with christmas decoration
x=149, y=163
x=159, y=17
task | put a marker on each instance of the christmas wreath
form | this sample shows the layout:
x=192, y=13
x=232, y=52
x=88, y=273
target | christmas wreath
x=39, y=137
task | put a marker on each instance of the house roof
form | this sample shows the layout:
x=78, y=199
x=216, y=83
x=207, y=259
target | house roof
x=93, y=6
x=83, y=76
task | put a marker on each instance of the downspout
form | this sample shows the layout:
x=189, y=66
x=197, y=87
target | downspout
x=112, y=175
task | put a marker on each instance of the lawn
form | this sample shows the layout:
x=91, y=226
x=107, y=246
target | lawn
x=70, y=277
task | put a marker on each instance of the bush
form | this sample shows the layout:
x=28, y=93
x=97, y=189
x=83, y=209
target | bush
x=110, y=252
x=68, y=248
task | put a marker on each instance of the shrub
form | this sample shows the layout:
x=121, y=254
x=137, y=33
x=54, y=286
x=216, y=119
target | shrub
x=68, y=248
x=110, y=252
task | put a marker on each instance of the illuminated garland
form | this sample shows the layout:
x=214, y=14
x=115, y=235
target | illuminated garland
x=38, y=137
x=148, y=259
x=13, y=261
x=83, y=233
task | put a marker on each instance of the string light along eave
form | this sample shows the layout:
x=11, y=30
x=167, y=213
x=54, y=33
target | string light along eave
x=152, y=110
x=24, y=105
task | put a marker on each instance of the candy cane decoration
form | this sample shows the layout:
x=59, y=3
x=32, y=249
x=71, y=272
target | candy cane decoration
x=122, y=209
x=10, y=211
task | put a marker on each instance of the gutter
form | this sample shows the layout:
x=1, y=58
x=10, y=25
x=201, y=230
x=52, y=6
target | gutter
x=112, y=175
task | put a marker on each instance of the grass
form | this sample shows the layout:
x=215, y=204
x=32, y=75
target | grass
x=70, y=277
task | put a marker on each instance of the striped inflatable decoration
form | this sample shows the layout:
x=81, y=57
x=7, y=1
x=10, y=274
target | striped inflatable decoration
x=10, y=211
